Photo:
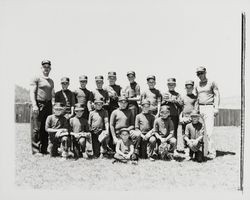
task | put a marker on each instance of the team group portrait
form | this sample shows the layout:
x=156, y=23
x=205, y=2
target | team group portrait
x=132, y=96
x=123, y=122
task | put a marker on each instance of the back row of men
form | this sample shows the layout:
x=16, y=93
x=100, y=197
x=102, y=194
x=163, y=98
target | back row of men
x=205, y=99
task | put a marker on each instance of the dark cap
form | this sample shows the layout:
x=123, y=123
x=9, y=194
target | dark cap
x=58, y=105
x=195, y=113
x=79, y=106
x=99, y=78
x=171, y=80
x=145, y=101
x=131, y=72
x=83, y=78
x=151, y=77
x=200, y=69
x=46, y=62
x=100, y=100
x=123, y=130
x=189, y=82
x=122, y=98
x=111, y=74
x=64, y=79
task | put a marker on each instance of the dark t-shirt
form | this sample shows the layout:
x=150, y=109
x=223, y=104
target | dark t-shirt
x=190, y=103
x=100, y=93
x=144, y=122
x=83, y=96
x=97, y=120
x=163, y=126
x=154, y=96
x=114, y=92
x=193, y=131
x=131, y=91
x=175, y=107
x=78, y=125
x=56, y=122
x=65, y=97
x=121, y=119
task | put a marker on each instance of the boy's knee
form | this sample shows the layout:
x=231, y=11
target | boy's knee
x=82, y=141
x=173, y=141
x=152, y=140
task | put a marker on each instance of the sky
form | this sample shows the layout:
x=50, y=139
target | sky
x=164, y=38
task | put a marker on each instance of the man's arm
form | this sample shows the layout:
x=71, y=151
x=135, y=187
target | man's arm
x=117, y=149
x=131, y=123
x=33, y=91
x=53, y=96
x=132, y=149
x=216, y=98
x=112, y=126
x=106, y=121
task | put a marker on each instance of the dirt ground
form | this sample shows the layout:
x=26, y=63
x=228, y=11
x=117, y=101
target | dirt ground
x=44, y=172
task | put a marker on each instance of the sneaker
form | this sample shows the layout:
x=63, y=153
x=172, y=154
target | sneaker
x=176, y=154
x=187, y=158
x=60, y=150
x=101, y=156
x=64, y=154
x=38, y=154
x=70, y=154
x=151, y=159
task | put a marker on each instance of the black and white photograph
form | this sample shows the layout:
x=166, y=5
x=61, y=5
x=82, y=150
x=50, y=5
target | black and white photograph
x=124, y=96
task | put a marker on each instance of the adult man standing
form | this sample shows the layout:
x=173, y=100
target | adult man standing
x=42, y=97
x=209, y=99
x=84, y=96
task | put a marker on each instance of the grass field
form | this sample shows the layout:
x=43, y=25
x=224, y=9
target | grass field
x=44, y=172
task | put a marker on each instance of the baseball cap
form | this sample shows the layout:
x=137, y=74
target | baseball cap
x=171, y=80
x=58, y=105
x=100, y=100
x=145, y=101
x=200, y=69
x=165, y=108
x=195, y=113
x=46, y=62
x=79, y=106
x=99, y=78
x=151, y=77
x=124, y=130
x=64, y=79
x=189, y=82
x=111, y=74
x=83, y=78
x=131, y=72
x=122, y=98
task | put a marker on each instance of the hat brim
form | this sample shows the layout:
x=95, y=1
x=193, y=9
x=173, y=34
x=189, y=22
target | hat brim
x=98, y=79
x=195, y=115
x=171, y=82
x=98, y=102
x=79, y=109
x=57, y=107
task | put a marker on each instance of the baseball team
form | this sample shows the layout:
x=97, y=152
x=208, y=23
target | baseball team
x=124, y=124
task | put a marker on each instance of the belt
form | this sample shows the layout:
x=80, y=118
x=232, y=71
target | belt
x=46, y=101
x=204, y=104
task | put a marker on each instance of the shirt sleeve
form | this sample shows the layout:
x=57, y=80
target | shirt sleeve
x=137, y=122
x=112, y=118
x=152, y=121
x=86, y=126
x=91, y=96
x=57, y=98
x=131, y=120
x=214, y=86
x=34, y=81
x=48, y=123
x=137, y=90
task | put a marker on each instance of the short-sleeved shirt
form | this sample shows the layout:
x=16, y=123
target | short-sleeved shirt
x=56, y=122
x=125, y=148
x=132, y=91
x=100, y=93
x=78, y=125
x=163, y=126
x=193, y=131
x=144, y=122
x=82, y=96
x=114, y=92
x=121, y=119
x=44, y=88
x=205, y=92
x=65, y=97
x=175, y=108
x=97, y=120
x=154, y=96
x=189, y=103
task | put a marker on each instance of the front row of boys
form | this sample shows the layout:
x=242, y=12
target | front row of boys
x=142, y=137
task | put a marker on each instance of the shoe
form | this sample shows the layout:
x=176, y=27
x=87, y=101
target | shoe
x=134, y=162
x=151, y=159
x=101, y=156
x=70, y=154
x=211, y=156
x=84, y=155
x=64, y=154
x=187, y=158
x=170, y=157
x=176, y=154
x=38, y=154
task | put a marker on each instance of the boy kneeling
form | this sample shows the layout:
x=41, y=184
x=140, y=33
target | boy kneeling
x=79, y=127
x=125, y=148
x=194, y=136
x=164, y=140
x=57, y=128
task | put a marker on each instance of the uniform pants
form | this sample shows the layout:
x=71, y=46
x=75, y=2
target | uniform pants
x=207, y=111
x=39, y=137
x=134, y=109
x=83, y=144
x=55, y=142
x=99, y=147
x=175, y=120
x=120, y=158
x=111, y=141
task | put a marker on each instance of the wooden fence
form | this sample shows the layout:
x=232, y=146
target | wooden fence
x=226, y=117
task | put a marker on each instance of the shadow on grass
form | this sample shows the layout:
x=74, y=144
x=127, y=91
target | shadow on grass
x=224, y=153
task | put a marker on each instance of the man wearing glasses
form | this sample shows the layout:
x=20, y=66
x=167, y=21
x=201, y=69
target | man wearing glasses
x=84, y=96
x=209, y=99
x=66, y=97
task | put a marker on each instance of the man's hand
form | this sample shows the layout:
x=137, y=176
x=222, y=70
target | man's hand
x=216, y=112
x=35, y=109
